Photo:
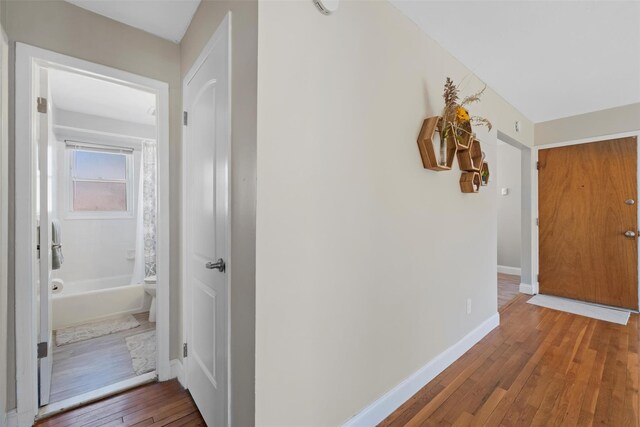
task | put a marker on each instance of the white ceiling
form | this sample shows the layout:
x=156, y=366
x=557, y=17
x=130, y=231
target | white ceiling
x=82, y=94
x=168, y=19
x=549, y=59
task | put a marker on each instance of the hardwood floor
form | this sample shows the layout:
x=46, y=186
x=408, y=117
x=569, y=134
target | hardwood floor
x=508, y=289
x=539, y=367
x=89, y=365
x=151, y=405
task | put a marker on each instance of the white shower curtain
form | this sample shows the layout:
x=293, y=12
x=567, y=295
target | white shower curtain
x=138, y=267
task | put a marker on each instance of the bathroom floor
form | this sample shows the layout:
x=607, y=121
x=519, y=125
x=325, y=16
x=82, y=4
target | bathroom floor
x=89, y=365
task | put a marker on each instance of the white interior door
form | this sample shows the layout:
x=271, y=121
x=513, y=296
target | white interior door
x=207, y=96
x=44, y=216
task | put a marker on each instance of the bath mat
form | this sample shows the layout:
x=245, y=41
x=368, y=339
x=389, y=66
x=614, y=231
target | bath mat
x=580, y=308
x=95, y=329
x=142, y=348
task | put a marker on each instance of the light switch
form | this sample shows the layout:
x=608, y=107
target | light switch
x=504, y=191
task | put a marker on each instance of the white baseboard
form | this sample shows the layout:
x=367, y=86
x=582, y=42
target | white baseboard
x=385, y=405
x=504, y=269
x=177, y=371
x=526, y=288
x=19, y=420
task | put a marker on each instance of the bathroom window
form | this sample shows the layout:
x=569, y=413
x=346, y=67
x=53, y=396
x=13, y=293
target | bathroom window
x=100, y=183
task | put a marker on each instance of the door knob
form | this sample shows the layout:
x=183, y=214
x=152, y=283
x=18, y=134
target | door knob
x=630, y=234
x=630, y=202
x=220, y=266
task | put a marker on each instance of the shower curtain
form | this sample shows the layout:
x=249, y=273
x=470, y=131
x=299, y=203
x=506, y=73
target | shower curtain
x=145, y=258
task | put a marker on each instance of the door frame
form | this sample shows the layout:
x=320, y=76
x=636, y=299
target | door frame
x=534, y=195
x=224, y=27
x=29, y=60
x=528, y=257
x=4, y=216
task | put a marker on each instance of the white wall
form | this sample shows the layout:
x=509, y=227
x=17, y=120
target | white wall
x=95, y=249
x=590, y=125
x=365, y=260
x=72, y=119
x=508, y=175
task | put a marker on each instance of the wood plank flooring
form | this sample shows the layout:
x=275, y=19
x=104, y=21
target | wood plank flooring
x=508, y=289
x=539, y=367
x=151, y=405
x=89, y=365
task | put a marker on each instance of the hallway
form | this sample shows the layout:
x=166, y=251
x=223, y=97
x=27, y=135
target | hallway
x=508, y=289
x=539, y=367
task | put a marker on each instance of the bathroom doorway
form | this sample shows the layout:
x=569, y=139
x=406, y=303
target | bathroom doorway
x=98, y=227
x=103, y=188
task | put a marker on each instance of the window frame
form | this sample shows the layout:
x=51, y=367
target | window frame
x=129, y=181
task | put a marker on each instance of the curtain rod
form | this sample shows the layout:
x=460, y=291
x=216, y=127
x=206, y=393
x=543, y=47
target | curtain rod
x=71, y=142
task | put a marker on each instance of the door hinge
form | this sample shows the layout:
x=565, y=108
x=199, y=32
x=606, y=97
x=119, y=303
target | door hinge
x=185, y=350
x=43, y=350
x=537, y=221
x=38, y=242
x=537, y=165
x=185, y=118
x=42, y=105
x=538, y=278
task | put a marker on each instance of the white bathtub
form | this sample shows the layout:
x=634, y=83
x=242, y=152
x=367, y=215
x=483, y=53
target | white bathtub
x=82, y=302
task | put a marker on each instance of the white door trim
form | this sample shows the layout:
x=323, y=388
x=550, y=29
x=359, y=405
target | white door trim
x=4, y=215
x=223, y=28
x=528, y=257
x=534, y=195
x=28, y=59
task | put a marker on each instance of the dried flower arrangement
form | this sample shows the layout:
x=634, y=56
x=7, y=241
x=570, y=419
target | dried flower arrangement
x=452, y=134
x=455, y=115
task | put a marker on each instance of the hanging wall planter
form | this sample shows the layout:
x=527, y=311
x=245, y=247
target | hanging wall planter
x=442, y=138
x=470, y=182
x=464, y=135
x=437, y=151
x=484, y=174
x=471, y=159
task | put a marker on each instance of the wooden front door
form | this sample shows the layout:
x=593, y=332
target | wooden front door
x=587, y=202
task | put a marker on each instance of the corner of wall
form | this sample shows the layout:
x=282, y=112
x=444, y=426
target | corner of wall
x=177, y=371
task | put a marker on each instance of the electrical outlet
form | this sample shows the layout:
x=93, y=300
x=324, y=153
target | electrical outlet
x=468, y=305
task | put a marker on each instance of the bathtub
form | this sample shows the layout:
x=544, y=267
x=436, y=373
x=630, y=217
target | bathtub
x=81, y=302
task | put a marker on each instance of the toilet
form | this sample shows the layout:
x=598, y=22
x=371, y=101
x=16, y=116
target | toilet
x=150, y=289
